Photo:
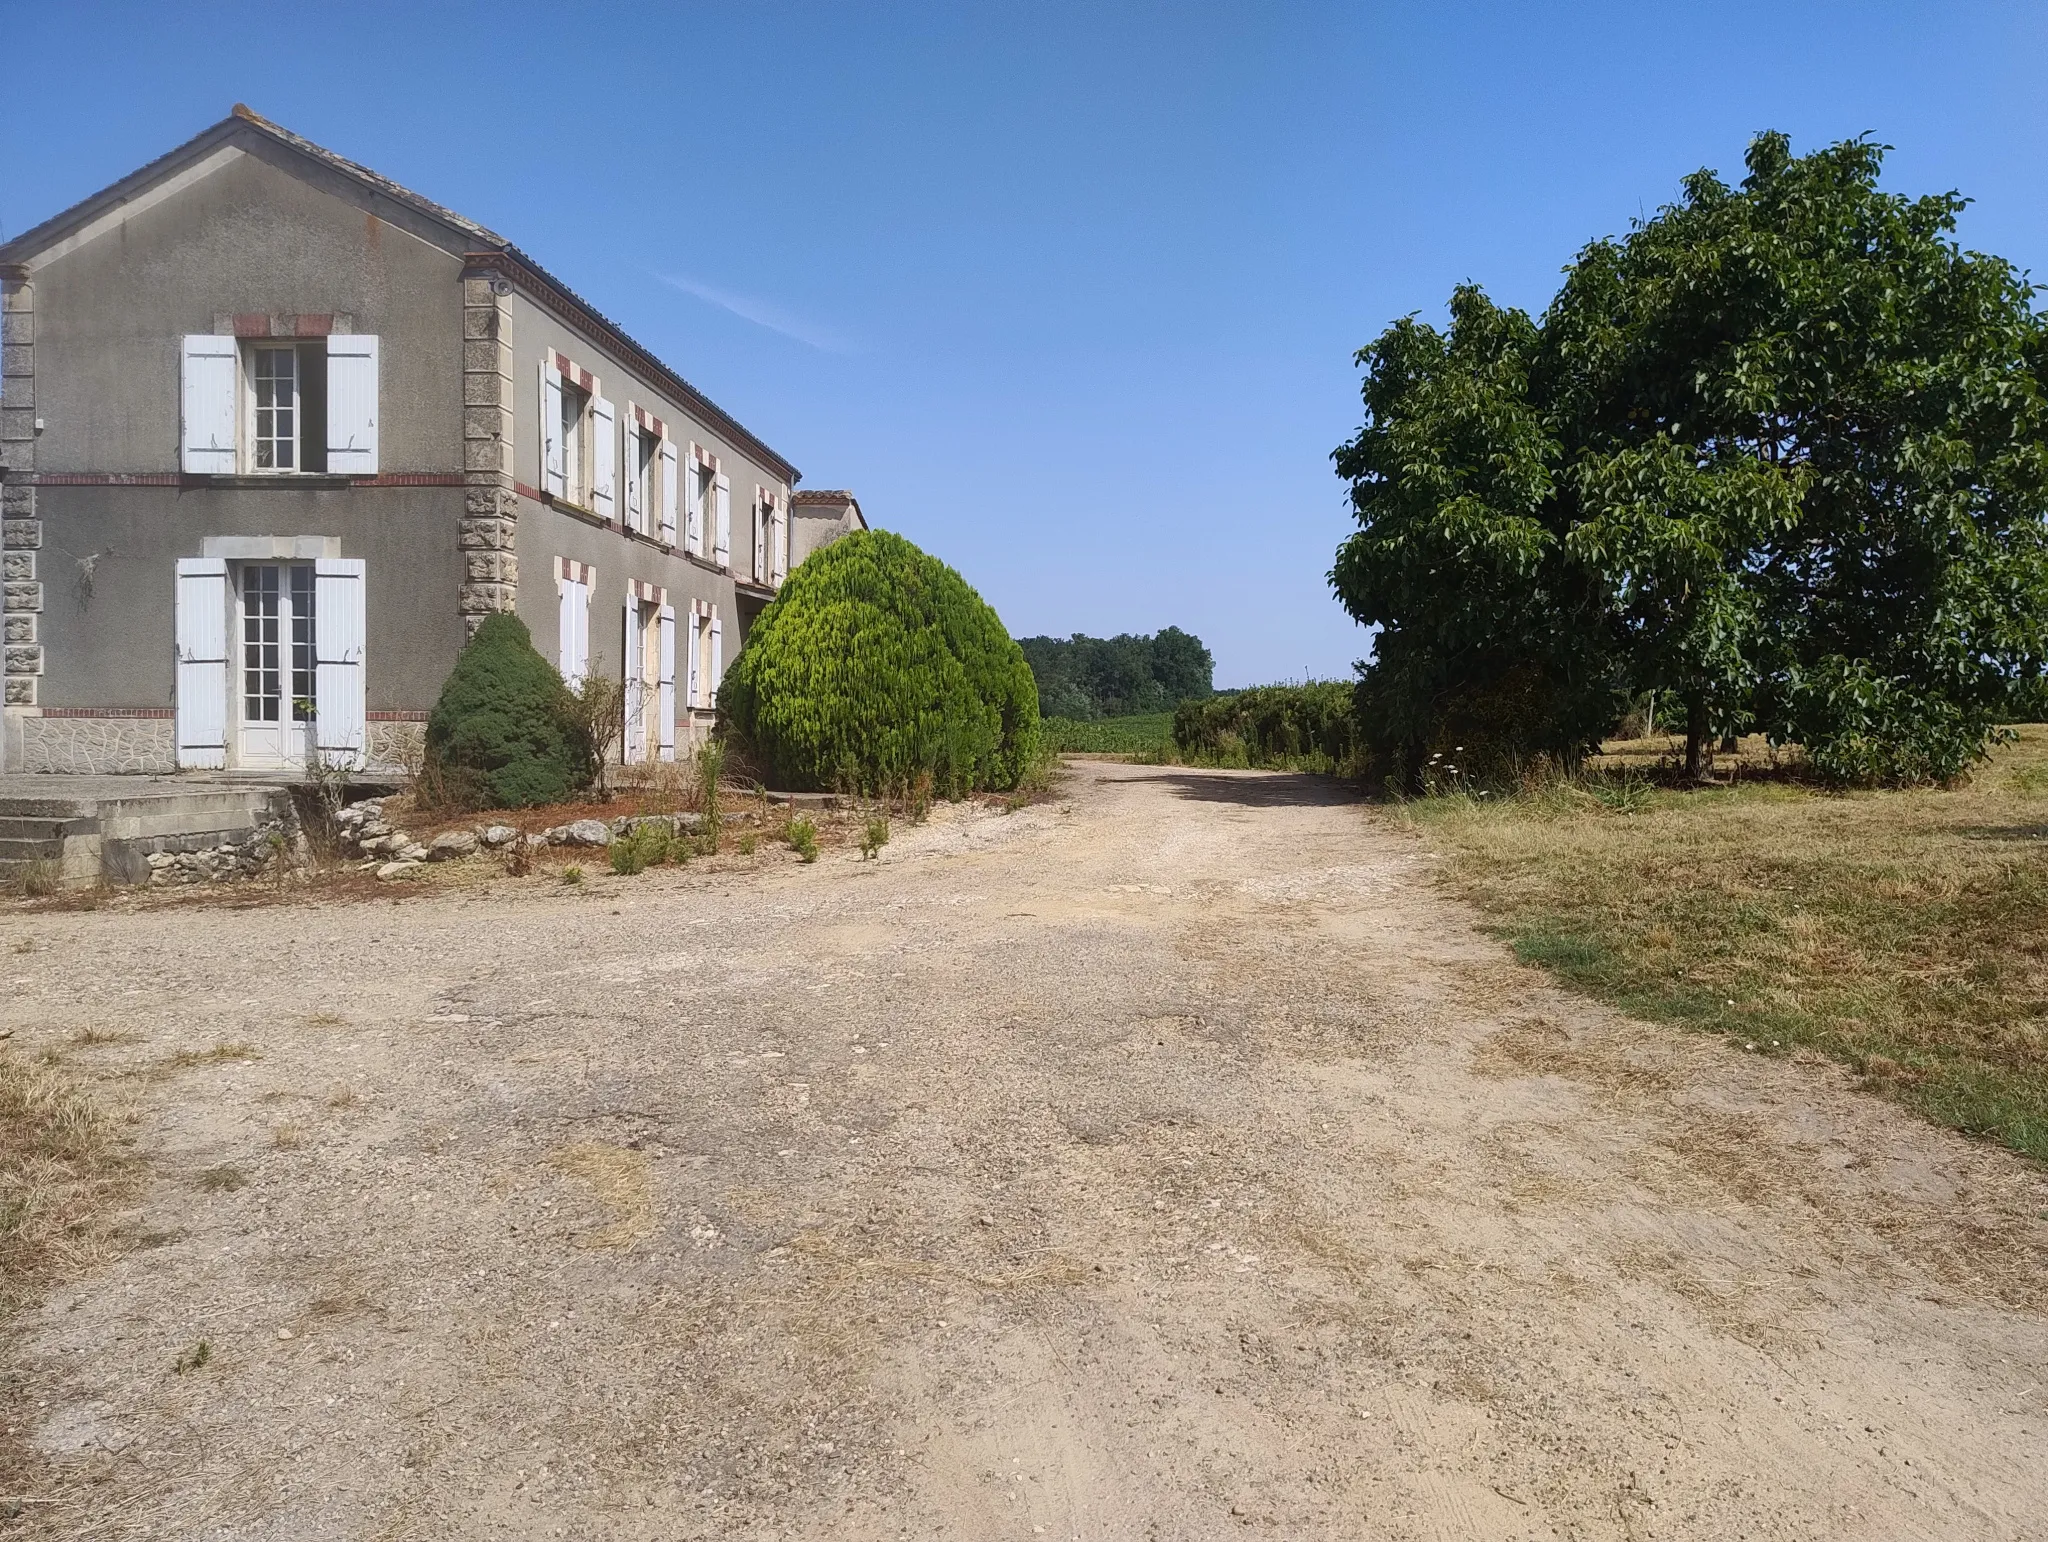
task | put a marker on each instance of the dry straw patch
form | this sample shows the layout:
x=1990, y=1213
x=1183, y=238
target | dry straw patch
x=1905, y=932
x=60, y=1167
x=623, y=1185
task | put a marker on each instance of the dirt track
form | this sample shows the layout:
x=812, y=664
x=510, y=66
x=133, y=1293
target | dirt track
x=1170, y=1162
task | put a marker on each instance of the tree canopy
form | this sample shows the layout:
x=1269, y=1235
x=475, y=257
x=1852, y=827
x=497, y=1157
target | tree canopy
x=1780, y=452
x=1088, y=677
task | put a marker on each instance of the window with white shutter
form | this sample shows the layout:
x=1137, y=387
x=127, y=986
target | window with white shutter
x=667, y=491
x=604, y=458
x=207, y=433
x=695, y=685
x=351, y=426
x=340, y=631
x=717, y=657
x=723, y=552
x=637, y=479
x=201, y=627
x=573, y=582
x=694, y=475
x=666, y=690
x=554, y=473
x=636, y=724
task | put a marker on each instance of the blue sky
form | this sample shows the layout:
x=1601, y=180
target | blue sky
x=1068, y=294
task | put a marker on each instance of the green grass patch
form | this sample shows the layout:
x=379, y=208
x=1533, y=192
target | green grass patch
x=1138, y=734
x=1905, y=933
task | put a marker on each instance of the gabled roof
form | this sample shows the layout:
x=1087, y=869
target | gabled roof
x=461, y=236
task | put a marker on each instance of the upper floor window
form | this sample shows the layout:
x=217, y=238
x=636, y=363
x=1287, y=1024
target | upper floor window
x=579, y=450
x=274, y=437
x=650, y=475
x=255, y=406
x=709, y=532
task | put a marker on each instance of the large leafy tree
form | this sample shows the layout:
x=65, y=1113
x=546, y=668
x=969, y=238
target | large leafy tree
x=1800, y=448
x=1491, y=642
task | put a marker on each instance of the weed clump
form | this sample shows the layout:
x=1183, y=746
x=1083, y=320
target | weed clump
x=803, y=837
x=874, y=837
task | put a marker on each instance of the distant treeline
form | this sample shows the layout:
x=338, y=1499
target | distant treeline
x=1090, y=677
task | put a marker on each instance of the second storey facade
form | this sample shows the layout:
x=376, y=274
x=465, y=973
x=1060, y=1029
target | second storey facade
x=278, y=433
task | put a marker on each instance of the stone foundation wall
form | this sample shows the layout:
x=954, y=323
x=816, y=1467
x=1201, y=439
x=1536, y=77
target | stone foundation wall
x=86, y=746
x=396, y=746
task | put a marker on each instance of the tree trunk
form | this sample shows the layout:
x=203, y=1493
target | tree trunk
x=1695, y=737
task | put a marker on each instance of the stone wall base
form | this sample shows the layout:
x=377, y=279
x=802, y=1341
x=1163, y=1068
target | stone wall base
x=94, y=746
x=91, y=746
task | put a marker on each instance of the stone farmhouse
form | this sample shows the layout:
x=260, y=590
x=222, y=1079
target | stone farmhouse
x=278, y=434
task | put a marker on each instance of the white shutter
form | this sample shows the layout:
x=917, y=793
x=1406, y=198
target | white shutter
x=717, y=658
x=565, y=630
x=668, y=491
x=352, y=404
x=666, y=699
x=724, y=552
x=604, y=458
x=693, y=489
x=202, y=652
x=554, y=475
x=340, y=632
x=207, y=405
x=636, y=487
x=760, y=541
x=581, y=618
x=636, y=726
x=696, y=642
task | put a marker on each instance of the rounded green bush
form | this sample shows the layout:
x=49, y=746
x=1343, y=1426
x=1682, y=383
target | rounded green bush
x=504, y=733
x=878, y=665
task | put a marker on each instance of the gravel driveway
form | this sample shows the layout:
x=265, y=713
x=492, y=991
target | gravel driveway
x=1171, y=1161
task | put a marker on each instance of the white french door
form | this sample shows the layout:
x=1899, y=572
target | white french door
x=275, y=662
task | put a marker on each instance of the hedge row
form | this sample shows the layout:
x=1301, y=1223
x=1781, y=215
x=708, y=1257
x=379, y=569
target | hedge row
x=1312, y=727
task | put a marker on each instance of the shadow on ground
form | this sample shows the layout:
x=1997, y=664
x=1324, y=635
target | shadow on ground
x=1268, y=789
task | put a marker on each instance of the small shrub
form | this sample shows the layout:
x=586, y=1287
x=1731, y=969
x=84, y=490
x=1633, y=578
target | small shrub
x=803, y=837
x=572, y=875
x=710, y=768
x=1628, y=793
x=598, y=709
x=646, y=845
x=223, y=1180
x=748, y=840
x=506, y=732
x=194, y=1358
x=36, y=878
x=874, y=837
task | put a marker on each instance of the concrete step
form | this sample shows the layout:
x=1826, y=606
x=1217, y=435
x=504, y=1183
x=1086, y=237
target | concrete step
x=105, y=828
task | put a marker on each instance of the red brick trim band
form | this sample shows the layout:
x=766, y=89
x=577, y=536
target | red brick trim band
x=406, y=716
x=150, y=712
x=571, y=371
x=189, y=479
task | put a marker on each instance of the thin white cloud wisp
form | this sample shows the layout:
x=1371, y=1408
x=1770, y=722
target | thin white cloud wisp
x=761, y=314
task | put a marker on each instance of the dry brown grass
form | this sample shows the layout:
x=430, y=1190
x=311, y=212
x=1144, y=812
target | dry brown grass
x=1905, y=932
x=623, y=1185
x=61, y=1165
